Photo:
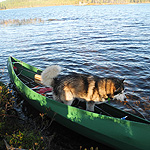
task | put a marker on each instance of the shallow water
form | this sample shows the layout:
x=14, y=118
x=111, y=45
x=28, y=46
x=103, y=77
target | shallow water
x=107, y=41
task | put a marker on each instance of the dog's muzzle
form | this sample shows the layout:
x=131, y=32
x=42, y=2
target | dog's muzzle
x=121, y=96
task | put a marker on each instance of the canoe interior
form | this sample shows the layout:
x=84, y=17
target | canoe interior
x=26, y=74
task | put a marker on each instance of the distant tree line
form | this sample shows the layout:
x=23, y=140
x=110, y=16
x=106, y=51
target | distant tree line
x=9, y=4
x=115, y=1
x=2, y=6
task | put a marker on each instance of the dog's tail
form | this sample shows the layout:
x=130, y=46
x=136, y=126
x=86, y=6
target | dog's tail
x=49, y=74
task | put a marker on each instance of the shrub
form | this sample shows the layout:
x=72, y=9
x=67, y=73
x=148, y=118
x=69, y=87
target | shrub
x=26, y=139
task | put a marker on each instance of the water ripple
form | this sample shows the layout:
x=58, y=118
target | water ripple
x=101, y=40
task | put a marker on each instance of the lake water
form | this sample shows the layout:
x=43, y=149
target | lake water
x=106, y=40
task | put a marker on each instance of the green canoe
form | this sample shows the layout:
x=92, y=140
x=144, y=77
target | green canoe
x=133, y=133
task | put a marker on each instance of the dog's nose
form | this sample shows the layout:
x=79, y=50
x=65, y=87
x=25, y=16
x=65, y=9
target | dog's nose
x=125, y=98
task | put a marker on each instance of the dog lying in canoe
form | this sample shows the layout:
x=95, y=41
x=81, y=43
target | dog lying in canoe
x=92, y=89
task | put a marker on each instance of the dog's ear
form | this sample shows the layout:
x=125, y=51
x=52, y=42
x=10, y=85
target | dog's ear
x=123, y=80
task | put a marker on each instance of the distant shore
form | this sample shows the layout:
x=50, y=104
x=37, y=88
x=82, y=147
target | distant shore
x=43, y=3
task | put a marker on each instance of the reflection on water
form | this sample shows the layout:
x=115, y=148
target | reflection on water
x=107, y=41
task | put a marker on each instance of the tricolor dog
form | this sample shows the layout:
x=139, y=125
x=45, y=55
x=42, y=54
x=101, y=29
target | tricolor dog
x=91, y=89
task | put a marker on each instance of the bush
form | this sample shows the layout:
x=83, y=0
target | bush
x=18, y=133
x=6, y=99
x=26, y=139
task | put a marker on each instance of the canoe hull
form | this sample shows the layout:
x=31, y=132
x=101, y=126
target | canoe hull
x=115, y=132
